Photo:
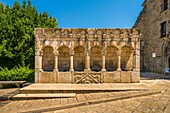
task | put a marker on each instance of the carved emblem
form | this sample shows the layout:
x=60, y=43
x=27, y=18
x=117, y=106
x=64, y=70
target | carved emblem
x=87, y=78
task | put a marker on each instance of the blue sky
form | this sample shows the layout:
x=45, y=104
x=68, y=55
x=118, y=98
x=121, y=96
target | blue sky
x=89, y=13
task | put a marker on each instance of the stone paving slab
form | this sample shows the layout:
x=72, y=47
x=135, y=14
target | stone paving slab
x=6, y=91
x=157, y=103
x=6, y=94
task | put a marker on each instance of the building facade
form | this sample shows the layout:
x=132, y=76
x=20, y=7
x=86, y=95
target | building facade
x=87, y=56
x=154, y=25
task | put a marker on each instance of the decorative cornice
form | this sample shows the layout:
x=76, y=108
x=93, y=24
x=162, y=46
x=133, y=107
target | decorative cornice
x=90, y=32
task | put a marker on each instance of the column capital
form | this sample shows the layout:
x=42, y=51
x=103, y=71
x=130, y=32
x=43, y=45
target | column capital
x=87, y=52
x=71, y=53
x=103, y=52
x=37, y=52
x=40, y=53
x=119, y=52
x=133, y=52
x=56, y=53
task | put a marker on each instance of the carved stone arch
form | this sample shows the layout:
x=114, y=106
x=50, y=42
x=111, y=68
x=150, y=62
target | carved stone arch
x=91, y=31
x=79, y=44
x=83, y=32
x=127, y=58
x=49, y=32
x=116, y=32
x=79, y=58
x=135, y=32
x=107, y=31
x=47, y=46
x=38, y=32
x=112, y=45
x=112, y=31
x=64, y=58
x=74, y=31
x=48, y=58
x=66, y=33
x=57, y=32
x=127, y=46
x=126, y=32
x=61, y=45
x=99, y=32
x=96, y=58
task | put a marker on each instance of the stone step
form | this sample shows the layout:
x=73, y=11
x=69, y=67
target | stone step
x=43, y=96
x=90, y=102
x=81, y=88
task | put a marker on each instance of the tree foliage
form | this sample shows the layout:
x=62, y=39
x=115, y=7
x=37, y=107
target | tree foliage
x=17, y=73
x=17, y=24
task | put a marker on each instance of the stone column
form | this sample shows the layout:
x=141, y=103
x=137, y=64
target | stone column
x=103, y=61
x=38, y=65
x=40, y=60
x=132, y=59
x=119, y=60
x=137, y=56
x=87, y=68
x=71, y=61
x=136, y=60
x=56, y=54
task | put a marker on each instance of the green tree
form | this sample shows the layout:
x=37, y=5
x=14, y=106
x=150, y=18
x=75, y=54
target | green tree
x=17, y=25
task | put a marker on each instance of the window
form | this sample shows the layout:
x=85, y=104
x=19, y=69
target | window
x=163, y=29
x=164, y=6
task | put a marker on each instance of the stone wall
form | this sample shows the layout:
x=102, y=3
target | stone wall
x=87, y=55
x=48, y=59
x=149, y=24
x=111, y=58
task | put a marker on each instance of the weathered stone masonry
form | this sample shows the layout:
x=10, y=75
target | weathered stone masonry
x=87, y=55
x=153, y=15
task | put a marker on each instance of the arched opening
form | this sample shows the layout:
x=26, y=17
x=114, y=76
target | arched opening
x=64, y=59
x=126, y=58
x=111, y=58
x=96, y=59
x=79, y=58
x=48, y=59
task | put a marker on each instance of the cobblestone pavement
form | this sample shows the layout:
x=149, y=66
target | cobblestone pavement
x=158, y=103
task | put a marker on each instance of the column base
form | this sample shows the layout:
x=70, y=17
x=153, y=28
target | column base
x=103, y=69
x=40, y=70
x=119, y=69
x=55, y=70
x=71, y=70
x=136, y=69
x=87, y=70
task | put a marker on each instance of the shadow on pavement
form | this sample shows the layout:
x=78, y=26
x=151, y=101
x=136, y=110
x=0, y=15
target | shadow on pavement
x=152, y=76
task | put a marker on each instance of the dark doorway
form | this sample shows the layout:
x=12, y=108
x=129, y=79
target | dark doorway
x=169, y=62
